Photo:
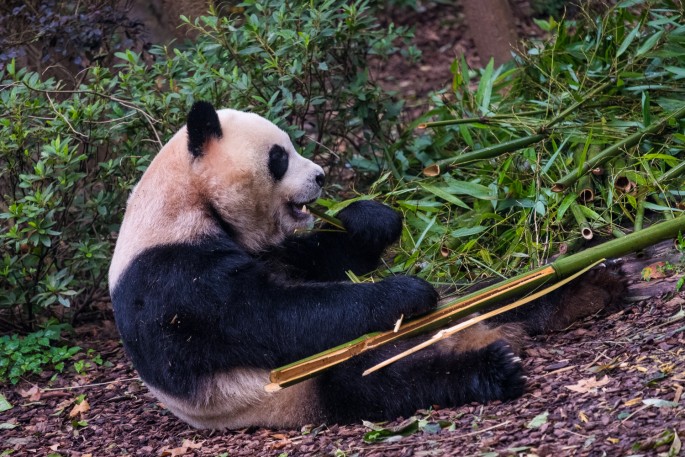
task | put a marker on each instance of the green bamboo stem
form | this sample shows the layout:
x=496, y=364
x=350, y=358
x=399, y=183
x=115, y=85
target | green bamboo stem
x=639, y=215
x=452, y=310
x=620, y=180
x=586, y=189
x=614, y=150
x=661, y=202
x=674, y=172
x=326, y=218
x=621, y=246
x=492, y=151
x=481, y=120
x=583, y=225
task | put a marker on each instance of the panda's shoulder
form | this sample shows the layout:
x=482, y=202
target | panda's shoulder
x=211, y=256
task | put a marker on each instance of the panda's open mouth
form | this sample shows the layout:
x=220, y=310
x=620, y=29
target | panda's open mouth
x=299, y=210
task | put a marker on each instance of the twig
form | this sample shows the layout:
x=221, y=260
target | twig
x=125, y=103
x=91, y=385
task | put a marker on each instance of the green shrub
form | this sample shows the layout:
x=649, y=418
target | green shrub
x=32, y=353
x=69, y=158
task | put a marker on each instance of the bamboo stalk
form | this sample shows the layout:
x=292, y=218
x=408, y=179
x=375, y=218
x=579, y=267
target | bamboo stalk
x=674, y=172
x=446, y=333
x=586, y=190
x=615, y=149
x=482, y=119
x=639, y=215
x=621, y=181
x=583, y=224
x=492, y=151
x=456, y=309
x=561, y=268
x=335, y=222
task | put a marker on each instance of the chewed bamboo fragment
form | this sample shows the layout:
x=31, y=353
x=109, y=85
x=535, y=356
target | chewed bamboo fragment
x=622, y=183
x=586, y=189
x=583, y=224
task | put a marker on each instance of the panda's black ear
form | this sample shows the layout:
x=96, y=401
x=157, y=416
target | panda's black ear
x=203, y=124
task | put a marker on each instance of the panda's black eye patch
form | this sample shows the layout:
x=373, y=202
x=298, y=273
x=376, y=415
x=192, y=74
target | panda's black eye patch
x=278, y=162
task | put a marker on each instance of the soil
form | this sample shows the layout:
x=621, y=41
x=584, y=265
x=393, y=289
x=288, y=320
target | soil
x=609, y=385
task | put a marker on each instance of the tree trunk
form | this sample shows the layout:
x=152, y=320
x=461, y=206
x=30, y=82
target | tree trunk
x=492, y=28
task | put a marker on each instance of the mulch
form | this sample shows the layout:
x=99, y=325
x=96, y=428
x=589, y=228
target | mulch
x=609, y=385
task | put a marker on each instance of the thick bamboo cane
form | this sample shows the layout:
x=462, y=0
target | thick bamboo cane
x=561, y=268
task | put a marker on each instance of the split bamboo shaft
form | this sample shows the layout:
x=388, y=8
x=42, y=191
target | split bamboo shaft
x=561, y=268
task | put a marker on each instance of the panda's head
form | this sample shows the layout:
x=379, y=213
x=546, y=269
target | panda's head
x=250, y=176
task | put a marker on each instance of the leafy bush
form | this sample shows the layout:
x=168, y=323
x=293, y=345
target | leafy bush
x=538, y=126
x=52, y=34
x=32, y=353
x=68, y=158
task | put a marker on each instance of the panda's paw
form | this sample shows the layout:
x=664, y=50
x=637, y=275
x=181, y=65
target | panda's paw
x=373, y=225
x=504, y=377
x=405, y=295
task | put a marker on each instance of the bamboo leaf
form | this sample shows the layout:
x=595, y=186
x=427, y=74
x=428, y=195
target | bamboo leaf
x=443, y=194
x=484, y=91
x=649, y=44
x=468, y=231
x=646, y=117
x=628, y=39
x=469, y=188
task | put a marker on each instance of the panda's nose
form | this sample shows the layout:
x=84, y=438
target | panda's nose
x=320, y=179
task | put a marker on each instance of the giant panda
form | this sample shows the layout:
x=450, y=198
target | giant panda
x=212, y=288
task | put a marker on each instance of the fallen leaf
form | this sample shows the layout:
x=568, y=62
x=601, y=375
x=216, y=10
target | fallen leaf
x=676, y=446
x=538, y=421
x=33, y=394
x=583, y=417
x=4, y=404
x=657, y=270
x=80, y=408
x=659, y=403
x=182, y=450
x=613, y=440
x=588, y=385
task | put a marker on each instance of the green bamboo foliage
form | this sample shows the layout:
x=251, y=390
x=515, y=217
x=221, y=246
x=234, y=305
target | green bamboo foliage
x=608, y=86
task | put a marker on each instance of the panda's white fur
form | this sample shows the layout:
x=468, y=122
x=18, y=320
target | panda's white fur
x=211, y=290
x=169, y=204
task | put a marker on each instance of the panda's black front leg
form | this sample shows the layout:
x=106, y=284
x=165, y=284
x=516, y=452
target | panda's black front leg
x=290, y=322
x=327, y=254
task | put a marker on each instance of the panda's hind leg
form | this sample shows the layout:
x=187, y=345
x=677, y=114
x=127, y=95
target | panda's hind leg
x=473, y=366
x=599, y=289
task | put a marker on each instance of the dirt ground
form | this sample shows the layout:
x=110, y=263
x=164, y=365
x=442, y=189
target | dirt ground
x=609, y=385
